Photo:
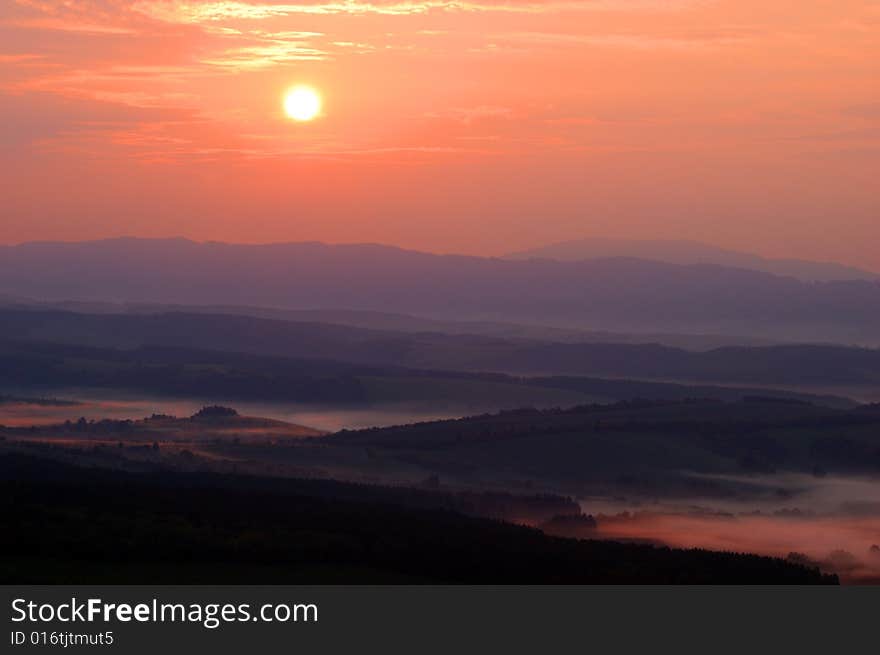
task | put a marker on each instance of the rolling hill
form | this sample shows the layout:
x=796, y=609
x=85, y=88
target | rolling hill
x=819, y=367
x=617, y=294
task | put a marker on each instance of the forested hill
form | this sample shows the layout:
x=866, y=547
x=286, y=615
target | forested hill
x=823, y=366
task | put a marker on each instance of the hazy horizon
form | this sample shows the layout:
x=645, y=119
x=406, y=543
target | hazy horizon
x=612, y=242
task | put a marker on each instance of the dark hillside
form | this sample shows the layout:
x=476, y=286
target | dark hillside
x=65, y=525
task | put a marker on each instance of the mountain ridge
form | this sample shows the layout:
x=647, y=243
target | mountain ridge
x=684, y=252
x=798, y=365
x=616, y=294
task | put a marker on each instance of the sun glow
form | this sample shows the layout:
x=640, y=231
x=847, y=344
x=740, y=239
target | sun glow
x=302, y=103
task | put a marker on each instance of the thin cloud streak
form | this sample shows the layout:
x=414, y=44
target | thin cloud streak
x=214, y=11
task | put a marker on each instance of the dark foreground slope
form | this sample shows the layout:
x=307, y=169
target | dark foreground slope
x=66, y=525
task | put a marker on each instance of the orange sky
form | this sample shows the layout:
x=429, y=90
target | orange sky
x=473, y=126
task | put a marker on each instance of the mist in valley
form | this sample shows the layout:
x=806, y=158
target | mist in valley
x=832, y=522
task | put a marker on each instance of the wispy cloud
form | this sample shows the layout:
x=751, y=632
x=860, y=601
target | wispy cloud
x=197, y=12
x=19, y=58
x=61, y=25
x=469, y=115
x=649, y=40
x=265, y=49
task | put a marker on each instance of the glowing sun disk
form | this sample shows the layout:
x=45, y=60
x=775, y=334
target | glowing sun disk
x=302, y=103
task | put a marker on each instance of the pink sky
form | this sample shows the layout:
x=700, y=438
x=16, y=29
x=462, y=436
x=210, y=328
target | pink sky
x=474, y=126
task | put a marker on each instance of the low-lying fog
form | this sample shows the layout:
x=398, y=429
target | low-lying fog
x=832, y=522
x=92, y=405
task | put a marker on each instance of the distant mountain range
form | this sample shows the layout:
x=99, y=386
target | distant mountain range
x=617, y=294
x=687, y=253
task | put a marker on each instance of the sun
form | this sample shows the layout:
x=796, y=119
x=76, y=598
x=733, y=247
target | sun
x=302, y=103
